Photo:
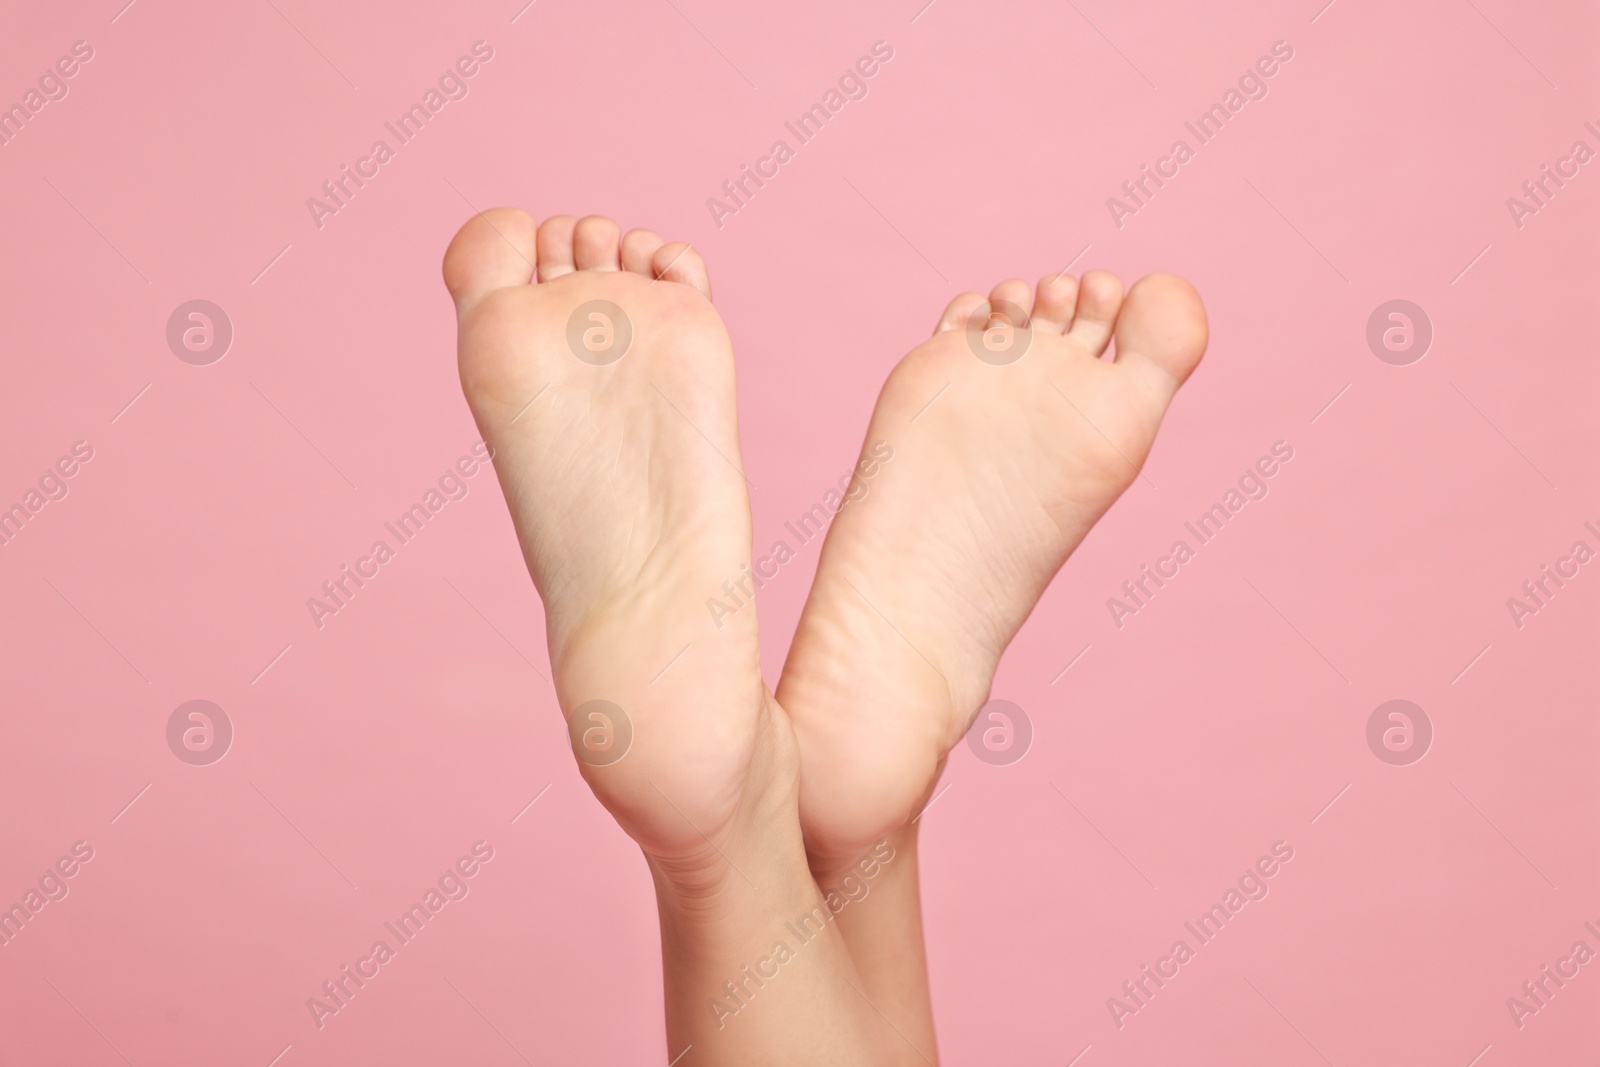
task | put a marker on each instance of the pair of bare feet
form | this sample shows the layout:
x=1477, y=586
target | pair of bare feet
x=603, y=380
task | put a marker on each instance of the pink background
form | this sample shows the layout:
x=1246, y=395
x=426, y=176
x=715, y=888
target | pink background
x=1226, y=716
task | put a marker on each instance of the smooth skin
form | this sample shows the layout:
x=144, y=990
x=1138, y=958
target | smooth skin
x=1000, y=469
x=628, y=497
x=627, y=492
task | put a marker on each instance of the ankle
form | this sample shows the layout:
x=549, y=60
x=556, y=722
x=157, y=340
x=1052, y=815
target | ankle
x=896, y=848
x=760, y=848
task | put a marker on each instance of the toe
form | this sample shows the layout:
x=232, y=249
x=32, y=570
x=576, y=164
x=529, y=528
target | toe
x=1099, y=297
x=495, y=249
x=1013, y=292
x=555, y=247
x=595, y=240
x=958, y=311
x=1161, y=331
x=679, y=262
x=1052, y=303
x=638, y=249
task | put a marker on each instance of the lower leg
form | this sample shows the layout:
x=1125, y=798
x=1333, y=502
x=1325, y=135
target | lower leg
x=883, y=931
x=754, y=973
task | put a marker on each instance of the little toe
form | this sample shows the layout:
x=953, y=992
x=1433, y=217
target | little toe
x=555, y=247
x=1052, y=303
x=493, y=250
x=595, y=243
x=958, y=311
x=638, y=249
x=1099, y=297
x=1161, y=330
x=679, y=262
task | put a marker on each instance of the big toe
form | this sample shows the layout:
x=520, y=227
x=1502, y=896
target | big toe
x=494, y=250
x=1161, y=331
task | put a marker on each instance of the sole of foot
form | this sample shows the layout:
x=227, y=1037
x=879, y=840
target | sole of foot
x=1011, y=434
x=603, y=382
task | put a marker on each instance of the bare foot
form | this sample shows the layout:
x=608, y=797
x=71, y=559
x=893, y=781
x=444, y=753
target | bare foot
x=1008, y=446
x=603, y=382
x=605, y=390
